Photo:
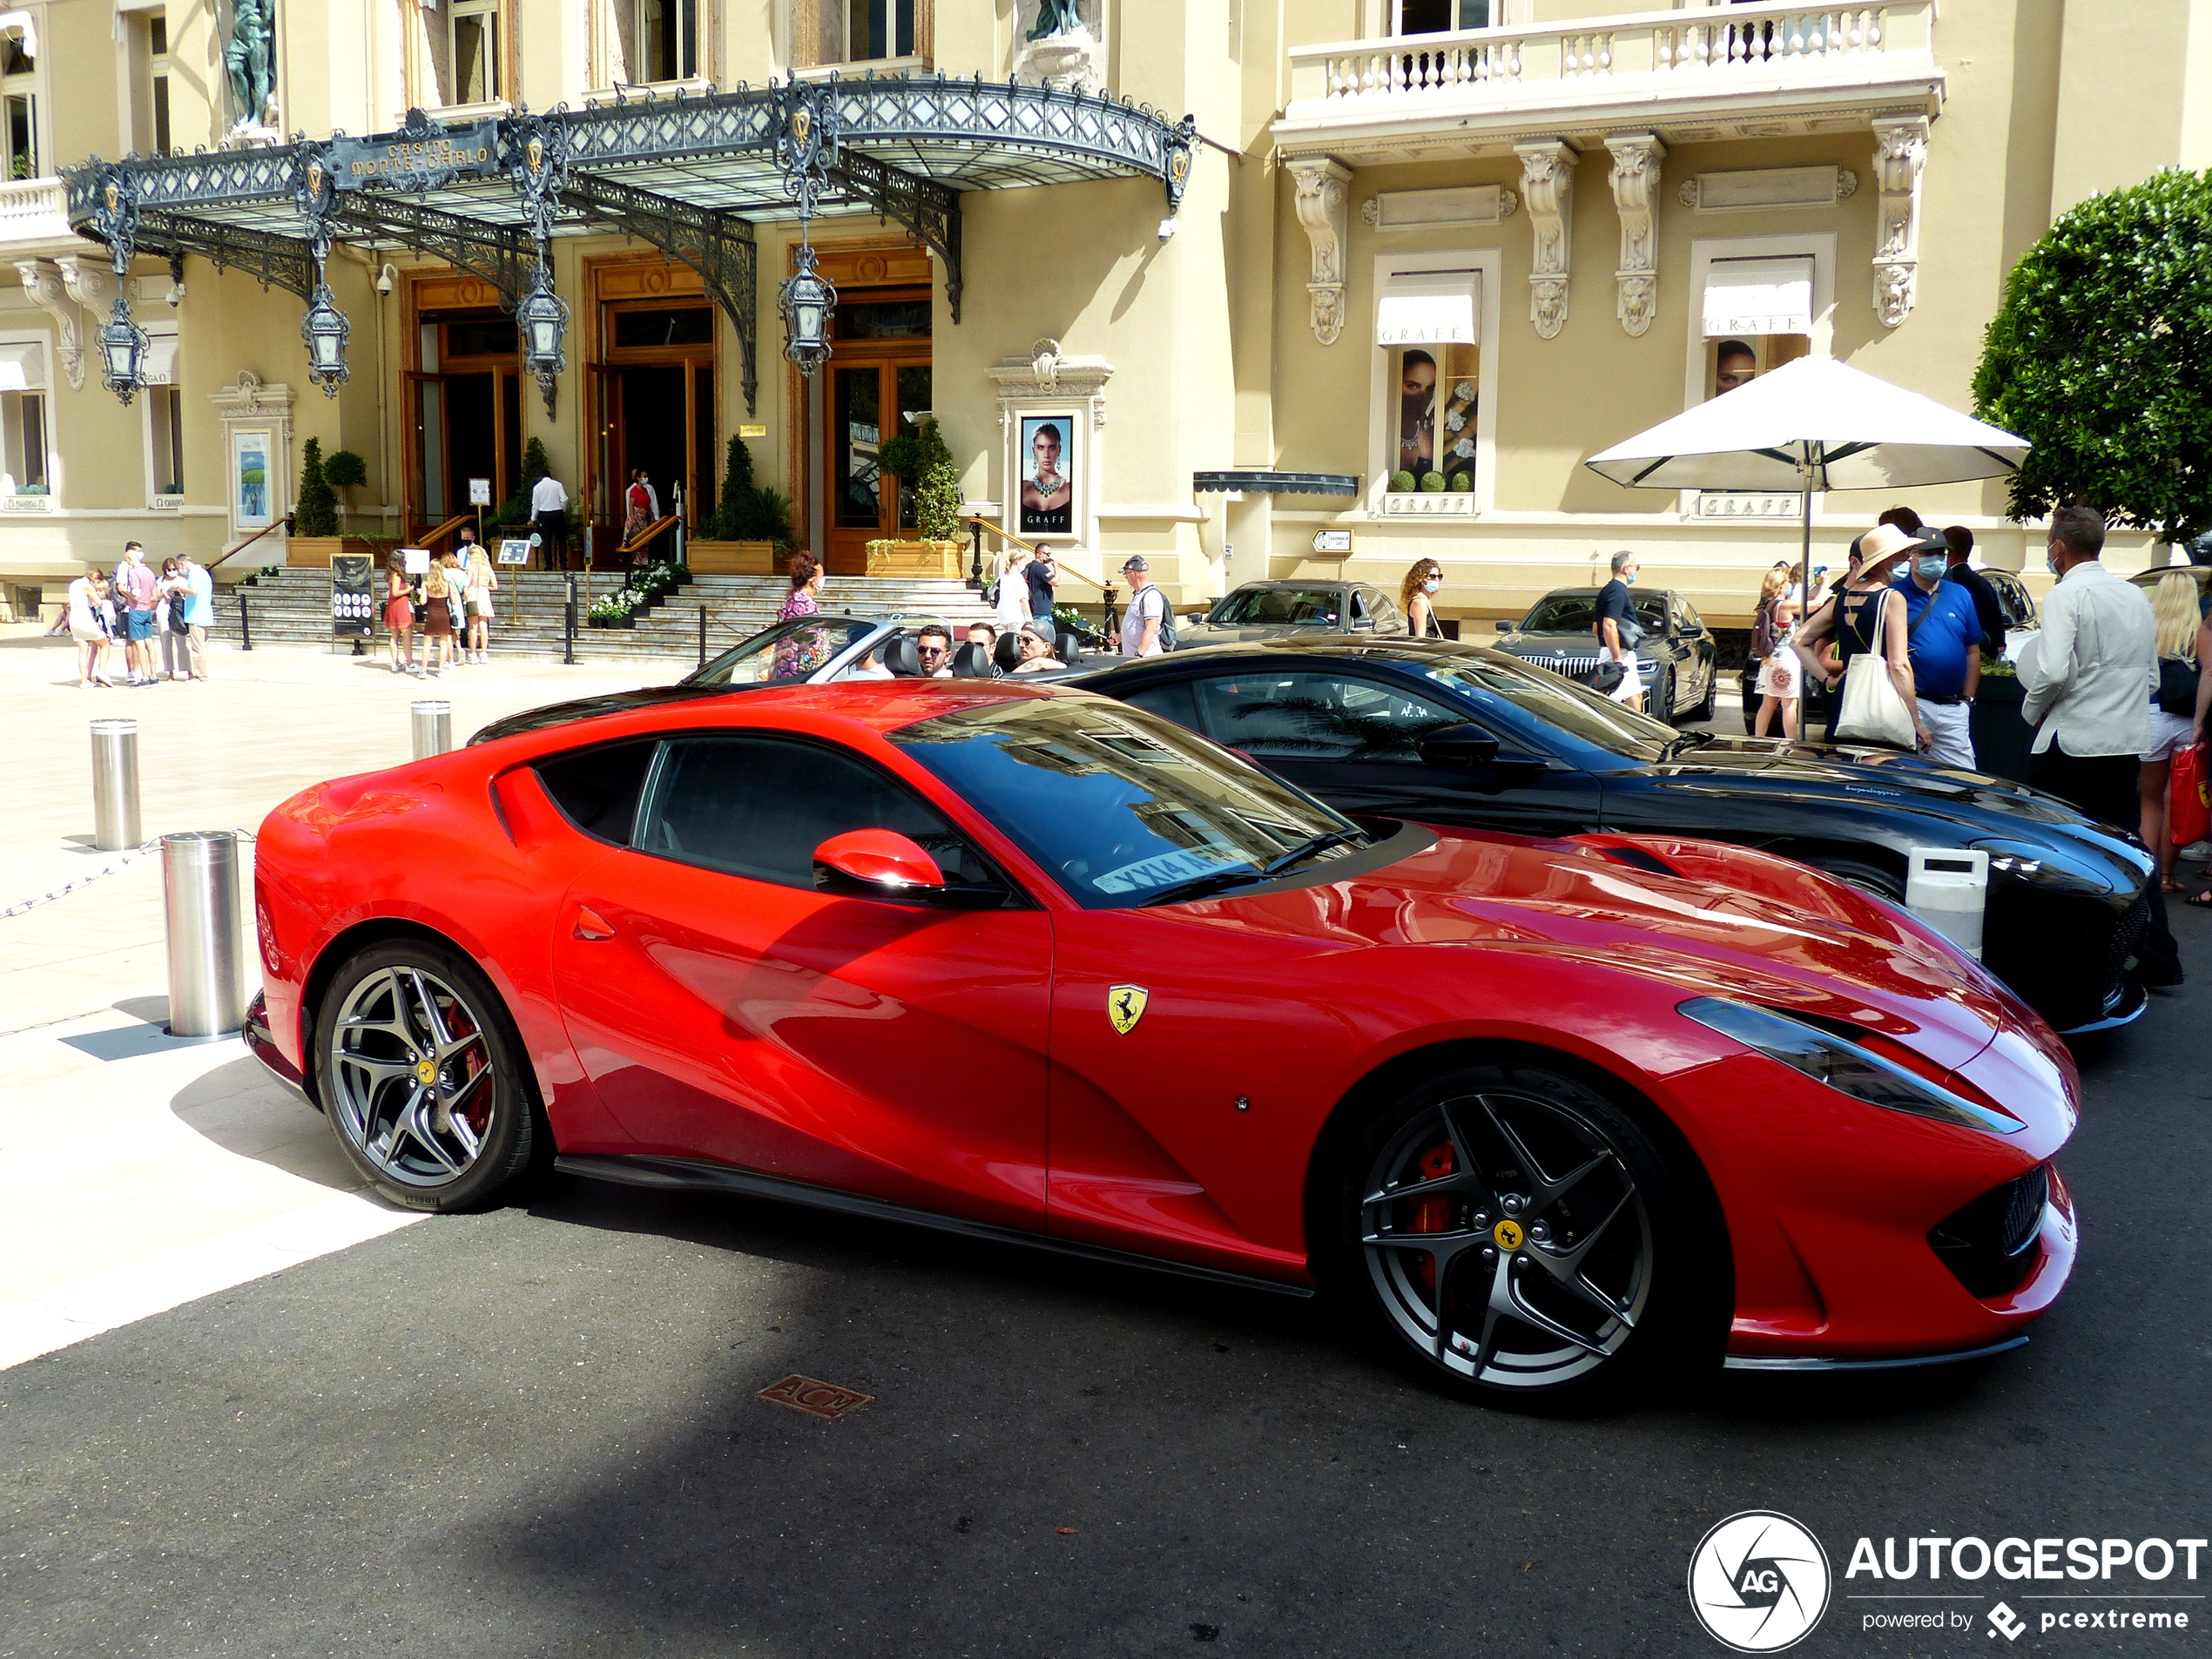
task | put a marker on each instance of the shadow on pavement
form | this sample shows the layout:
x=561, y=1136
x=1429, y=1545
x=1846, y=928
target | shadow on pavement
x=243, y=1109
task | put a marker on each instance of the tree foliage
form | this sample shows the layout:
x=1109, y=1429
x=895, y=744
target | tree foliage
x=2101, y=356
x=937, y=488
x=316, y=512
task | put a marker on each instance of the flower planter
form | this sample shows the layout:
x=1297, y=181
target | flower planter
x=2002, y=738
x=315, y=552
x=731, y=558
x=611, y=622
x=925, y=560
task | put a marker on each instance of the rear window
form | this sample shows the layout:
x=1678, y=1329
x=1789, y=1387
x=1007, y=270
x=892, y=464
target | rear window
x=597, y=789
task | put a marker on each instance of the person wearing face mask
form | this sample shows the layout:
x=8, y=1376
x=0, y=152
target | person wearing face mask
x=1417, y=598
x=1943, y=642
x=1618, y=631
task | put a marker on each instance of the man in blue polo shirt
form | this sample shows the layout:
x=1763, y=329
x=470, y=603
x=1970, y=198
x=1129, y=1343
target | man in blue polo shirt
x=1943, y=640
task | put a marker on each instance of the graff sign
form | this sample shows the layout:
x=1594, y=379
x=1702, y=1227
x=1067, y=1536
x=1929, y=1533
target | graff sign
x=425, y=163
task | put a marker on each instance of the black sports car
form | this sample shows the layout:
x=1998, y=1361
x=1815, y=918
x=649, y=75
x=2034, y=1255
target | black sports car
x=1448, y=733
x=1681, y=668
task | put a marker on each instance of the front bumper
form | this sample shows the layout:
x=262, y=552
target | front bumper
x=260, y=1043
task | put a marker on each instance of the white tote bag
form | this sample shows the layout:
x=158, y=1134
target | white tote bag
x=1873, y=709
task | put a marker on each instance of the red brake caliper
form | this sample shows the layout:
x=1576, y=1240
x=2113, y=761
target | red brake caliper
x=1431, y=1215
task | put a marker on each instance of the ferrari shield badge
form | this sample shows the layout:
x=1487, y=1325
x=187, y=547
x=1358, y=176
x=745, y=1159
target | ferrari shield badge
x=1125, y=1006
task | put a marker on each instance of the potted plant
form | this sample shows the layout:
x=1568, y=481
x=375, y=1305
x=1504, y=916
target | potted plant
x=935, y=551
x=750, y=531
x=2002, y=739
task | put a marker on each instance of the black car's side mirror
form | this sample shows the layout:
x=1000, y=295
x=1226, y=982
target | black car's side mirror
x=1504, y=624
x=1458, y=746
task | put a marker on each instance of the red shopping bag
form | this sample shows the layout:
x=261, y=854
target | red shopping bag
x=2188, y=798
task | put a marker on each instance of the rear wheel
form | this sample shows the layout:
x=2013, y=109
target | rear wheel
x=1517, y=1235
x=1660, y=704
x=1711, y=705
x=426, y=1082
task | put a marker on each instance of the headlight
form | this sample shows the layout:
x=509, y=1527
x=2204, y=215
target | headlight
x=2037, y=867
x=1842, y=1064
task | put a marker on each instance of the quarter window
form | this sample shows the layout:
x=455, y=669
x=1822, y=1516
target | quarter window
x=597, y=789
x=1320, y=717
x=758, y=806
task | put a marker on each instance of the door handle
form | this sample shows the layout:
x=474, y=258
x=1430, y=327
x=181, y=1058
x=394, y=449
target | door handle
x=590, y=924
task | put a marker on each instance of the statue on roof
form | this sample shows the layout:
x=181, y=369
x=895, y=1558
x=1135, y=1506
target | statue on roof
x=251, y=58
x=1056, y=17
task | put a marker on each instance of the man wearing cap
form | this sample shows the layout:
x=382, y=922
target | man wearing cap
x=1943, y=642
x=1862, y=617
x=1144, y=619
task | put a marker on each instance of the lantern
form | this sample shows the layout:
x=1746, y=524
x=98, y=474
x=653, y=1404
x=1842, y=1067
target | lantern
x=807, y=302
x=122, y=350
x=326, y=331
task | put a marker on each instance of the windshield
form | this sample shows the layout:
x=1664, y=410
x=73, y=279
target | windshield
x=1575, y=710
x=1577, y=613
x=1118, y=805
x=790, y=650
x=1257, y=607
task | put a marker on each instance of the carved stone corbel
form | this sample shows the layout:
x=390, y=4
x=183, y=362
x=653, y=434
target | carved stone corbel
x=1636, y=157
x=42, y=282
x=1547, y=190
x=1321, y=185
x=1900, y=150
x=88, y=282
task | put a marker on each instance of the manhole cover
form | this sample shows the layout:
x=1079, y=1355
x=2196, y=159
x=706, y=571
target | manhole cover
x=815, y=1396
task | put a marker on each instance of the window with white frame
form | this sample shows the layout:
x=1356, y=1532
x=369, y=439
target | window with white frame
x=165, y=414
x=24, y=449
x=858, y=31
x=1432, y=420
x=1758, y=315
x=1439, y=17
x=473, y=49
x=19, y=106
x=660, y=40
x=157, y=79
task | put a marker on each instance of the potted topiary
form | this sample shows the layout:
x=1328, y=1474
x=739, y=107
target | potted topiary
x=2002, y=739
x=747, y=532
x=935, y=550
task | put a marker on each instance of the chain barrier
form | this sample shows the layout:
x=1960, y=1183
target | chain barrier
x=67, y=888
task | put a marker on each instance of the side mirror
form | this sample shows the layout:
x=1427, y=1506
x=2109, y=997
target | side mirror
x=1458, y=746
x=884, y=865
x=1504, y=624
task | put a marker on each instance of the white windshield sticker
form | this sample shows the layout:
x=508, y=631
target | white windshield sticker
x=1179, y=865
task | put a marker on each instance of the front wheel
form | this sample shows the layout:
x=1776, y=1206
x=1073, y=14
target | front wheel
x=1711, y=705
x=426, y=1082
x=1661, y=703
x=1518, y=1236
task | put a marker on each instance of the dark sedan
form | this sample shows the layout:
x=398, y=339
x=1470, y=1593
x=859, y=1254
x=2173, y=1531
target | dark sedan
x=1681, y=667
x=1445, y=733
x=1260, y=610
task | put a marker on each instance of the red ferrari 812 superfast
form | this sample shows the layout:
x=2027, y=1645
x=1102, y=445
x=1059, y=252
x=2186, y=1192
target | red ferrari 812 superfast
x=1033, y=965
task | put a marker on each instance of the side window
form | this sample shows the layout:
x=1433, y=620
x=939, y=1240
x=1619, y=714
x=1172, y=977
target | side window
x=598, y=788
x=1172, y=702
x=1690, y=619
x=1320, y=717
x=1383, y=610
x=1360, y=610
x=758, y=806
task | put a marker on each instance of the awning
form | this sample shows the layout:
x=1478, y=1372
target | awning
x=1266, y=481
x=22, y=367
x=1759, y=297
x=161, y=359
x=1428, y=308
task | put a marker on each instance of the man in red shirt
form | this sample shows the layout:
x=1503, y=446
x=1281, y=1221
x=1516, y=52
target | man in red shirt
x=135, y=584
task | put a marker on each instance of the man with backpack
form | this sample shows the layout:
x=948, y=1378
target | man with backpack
x=1148, y=621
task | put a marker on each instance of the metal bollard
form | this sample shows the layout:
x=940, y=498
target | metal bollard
x=115, y=785
x=244, y=625
x=432, y=728
x=199, y=895
x=702, y=635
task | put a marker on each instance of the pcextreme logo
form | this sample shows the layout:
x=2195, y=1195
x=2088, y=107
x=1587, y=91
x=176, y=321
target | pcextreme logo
x=1759, y=1582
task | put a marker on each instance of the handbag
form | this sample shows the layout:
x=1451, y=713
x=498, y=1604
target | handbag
x=2189, y=797
x=1873, y=709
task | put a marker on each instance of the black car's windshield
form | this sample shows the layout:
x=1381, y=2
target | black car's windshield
x=1577, y=613
x=1260, y=607
x=1575, y=710
x=1120, y=806
x=790, y=650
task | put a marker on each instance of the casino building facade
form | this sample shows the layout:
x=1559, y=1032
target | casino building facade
x=1252, y=286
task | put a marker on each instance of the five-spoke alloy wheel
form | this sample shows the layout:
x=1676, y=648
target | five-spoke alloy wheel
x=1511, y=1224
x=424, y=1083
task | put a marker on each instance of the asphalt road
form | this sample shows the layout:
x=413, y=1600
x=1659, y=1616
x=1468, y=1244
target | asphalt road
x=534, y=1433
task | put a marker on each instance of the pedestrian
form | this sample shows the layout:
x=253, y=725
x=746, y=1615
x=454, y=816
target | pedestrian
x=803, y=649
x=1781, y=677
x=985, y=638
x=168, y=622
x=398, y=615
x=1866, y=615
x=88, y=626
x=637, y=512
x=1043, y=575
x=1011, y=598
x=549, y=517
x=437, y=614
x=483, y=582
x=1902, y=518
x=1417, y=598
x=2088, y=675
x=1943, y=642
x=2173, y=711
x=1147, y=620
x=200, y=612
x=134, y=590
x=1618, y=631
x=1988, y=606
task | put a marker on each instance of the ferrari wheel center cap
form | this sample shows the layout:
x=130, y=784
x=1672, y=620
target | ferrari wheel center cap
x=425, y=1072
x=1508, y=1235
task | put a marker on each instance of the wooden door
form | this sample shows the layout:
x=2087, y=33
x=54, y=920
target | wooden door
x=866, y=401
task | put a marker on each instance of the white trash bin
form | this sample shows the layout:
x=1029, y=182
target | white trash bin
x=1947, y=890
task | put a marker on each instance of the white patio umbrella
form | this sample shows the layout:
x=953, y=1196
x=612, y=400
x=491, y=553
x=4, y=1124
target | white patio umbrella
x=1813, y=424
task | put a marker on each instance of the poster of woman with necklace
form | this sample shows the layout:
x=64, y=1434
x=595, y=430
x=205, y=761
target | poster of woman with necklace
x=1048, y=487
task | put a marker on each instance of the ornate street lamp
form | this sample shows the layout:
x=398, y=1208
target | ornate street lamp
x=123, y=347
x=807, y=302
x=326, y=331
x=544, y=316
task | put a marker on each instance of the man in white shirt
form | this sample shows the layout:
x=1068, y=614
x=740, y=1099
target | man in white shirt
x=1144, y=619
x=2088, y=677
x=549, y=513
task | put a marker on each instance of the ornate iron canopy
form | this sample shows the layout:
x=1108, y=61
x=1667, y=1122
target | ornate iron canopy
x=690, y=176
